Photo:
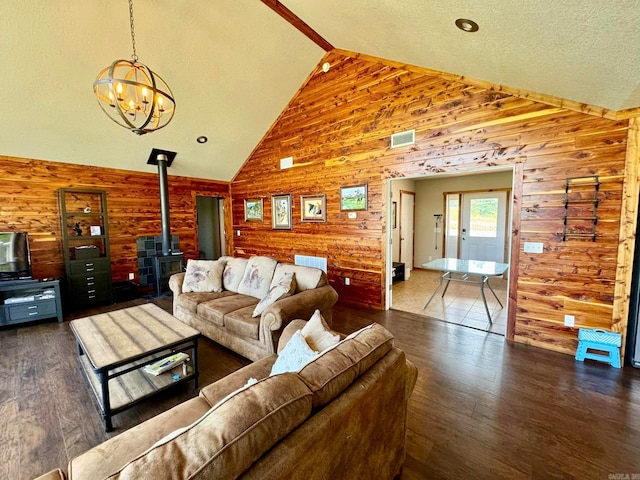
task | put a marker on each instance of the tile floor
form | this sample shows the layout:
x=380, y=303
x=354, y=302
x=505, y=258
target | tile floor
x=461, y=305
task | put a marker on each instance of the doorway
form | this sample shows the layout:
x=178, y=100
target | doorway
x=439, y=206
x=210, y=220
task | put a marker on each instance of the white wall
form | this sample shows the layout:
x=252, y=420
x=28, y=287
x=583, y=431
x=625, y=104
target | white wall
x=396, y=186
x=430, y=200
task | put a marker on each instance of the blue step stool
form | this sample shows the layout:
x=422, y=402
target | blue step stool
x=599, y=339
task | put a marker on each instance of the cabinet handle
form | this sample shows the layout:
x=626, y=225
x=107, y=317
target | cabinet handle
x=90, y=269
x=91, y=291
x=92, y=296
x=90, y=278
x=89, y=264
x=90, y=283
x=33, y=313
x=32, y=306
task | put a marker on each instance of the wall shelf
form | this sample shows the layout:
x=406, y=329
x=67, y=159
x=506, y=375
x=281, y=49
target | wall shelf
x=580, y=191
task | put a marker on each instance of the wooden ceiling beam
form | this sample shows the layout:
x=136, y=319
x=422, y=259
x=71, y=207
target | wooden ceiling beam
x=294, y=20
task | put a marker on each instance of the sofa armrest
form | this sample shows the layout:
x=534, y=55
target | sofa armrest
x=412, y=377
x=288, y=331
x=175, y=283
x=52, y=475
x=299, y=306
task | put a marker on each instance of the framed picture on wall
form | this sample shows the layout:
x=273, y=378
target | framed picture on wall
x=253, y=210
x=394, y=214
x=281, y=206
x=353, y=198
x=313, y=208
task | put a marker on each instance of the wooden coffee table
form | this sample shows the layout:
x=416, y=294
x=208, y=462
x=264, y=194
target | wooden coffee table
x=114, y=347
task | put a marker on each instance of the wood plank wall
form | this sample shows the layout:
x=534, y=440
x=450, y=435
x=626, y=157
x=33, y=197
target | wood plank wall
x=29, y=202
x=337, y=130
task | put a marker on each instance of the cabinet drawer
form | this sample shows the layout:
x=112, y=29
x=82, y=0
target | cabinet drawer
x=90, y=265
x=27, y=310
x=89, y=288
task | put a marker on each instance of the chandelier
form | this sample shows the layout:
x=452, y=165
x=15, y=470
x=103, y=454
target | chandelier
x=132, y=95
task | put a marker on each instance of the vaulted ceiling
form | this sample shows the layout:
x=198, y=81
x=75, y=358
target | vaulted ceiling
x=233, y=65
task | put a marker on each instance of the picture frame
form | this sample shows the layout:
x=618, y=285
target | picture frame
x=394, y=214
x=281, y=212
x=313, y=208
x=95, y=230
x=253, y=210
x=353, y=198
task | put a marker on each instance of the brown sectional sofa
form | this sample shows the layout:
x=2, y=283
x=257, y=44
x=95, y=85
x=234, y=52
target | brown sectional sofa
x=227, y=316
x=343, y=415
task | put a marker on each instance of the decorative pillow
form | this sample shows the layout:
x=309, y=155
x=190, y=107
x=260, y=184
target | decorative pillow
x=233, y=272
x=203, y=276
x=285, y=288
x=318, y=334
x=295, y=355
x=257, y=277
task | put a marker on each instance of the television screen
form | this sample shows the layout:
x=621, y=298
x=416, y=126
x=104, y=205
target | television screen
x=15, y=261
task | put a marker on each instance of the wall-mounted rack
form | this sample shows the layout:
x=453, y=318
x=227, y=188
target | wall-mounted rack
x=580, y=191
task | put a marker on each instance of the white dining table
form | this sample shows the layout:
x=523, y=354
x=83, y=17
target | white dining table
x=459, y=270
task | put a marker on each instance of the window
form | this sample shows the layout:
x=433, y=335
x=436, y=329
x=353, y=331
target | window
x=484, y=218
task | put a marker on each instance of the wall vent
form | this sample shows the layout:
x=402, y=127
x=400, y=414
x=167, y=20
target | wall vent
x=307, y=261
x=403, y=138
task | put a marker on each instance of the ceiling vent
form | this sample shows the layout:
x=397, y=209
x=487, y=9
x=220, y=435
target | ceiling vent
x=403, y=138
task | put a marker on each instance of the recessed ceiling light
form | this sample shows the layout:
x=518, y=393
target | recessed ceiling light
x=202, y=139
x=467, y=25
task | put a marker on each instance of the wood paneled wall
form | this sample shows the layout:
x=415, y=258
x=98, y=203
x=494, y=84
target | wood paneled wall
x=29, y=202
x=337, y=130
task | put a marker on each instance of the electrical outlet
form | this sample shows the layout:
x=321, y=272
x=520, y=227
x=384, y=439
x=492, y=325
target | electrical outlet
x=238, y=232
x=533, y=247
x=430, y=258
x=131, y=276
x=347, y=281
x=569, y=321
x=352, y=215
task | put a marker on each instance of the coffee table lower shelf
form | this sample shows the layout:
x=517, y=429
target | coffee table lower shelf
x=128, y=389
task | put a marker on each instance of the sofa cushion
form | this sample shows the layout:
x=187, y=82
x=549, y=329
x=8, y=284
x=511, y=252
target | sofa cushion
x=224, y=443
x=335, y=369
x=318, y=334
x=257, y=276
x=215, y=310
x=284, y=288
x=203, y=276
x=307, y=278
x=233, y=272
x=190, y=301
x=242, y=323
x=295, y=355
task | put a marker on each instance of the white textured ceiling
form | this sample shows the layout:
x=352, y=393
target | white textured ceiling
x=582, y=50
x=233, y=65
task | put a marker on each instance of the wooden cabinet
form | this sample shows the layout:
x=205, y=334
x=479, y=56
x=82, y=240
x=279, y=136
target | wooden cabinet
x=85, y=242
x=28, y=300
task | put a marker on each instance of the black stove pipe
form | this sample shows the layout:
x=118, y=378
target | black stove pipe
x=164, y=204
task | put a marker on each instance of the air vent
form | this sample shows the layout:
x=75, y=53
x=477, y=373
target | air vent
x=403, y=138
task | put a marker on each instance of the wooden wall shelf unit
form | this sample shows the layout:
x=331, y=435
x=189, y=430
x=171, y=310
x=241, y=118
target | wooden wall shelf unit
x=85, y=242
x=580, y=192
x=29, y=300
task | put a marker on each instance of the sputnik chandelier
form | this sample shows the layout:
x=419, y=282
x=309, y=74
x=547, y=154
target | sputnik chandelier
x=132, y=95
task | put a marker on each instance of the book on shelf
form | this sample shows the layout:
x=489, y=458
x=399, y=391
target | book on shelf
x=166, y=363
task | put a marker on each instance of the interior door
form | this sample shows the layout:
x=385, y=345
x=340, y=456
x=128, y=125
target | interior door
x=210, y=219
x=407, y=216
x=483, y=226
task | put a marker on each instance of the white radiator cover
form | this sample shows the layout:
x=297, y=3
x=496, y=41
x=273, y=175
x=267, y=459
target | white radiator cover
x=307, y=261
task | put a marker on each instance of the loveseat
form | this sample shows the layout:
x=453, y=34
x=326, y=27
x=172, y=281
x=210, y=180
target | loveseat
x=244, y=304
x=341, y=415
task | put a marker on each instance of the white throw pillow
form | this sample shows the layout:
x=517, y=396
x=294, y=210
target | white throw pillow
x=295, y=355
x=318, y=334
x=203, y=276
x=284, y=288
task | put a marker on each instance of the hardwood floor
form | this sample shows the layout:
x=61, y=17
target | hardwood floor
x=482, y=408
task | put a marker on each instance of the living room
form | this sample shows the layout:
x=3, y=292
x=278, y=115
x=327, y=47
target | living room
x=336, y=126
